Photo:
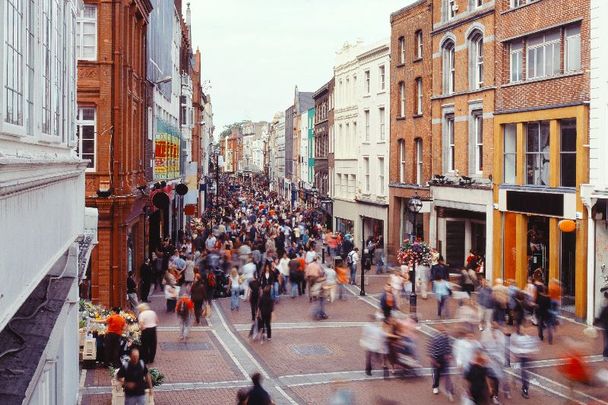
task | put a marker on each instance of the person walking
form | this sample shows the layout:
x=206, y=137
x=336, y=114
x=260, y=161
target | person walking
x=148, y=321
x=523, y=348
x=341, y=279
x=374, y=342
x=188, y=274
x=254, y=296
x=234, y=285
x=257, y=395
x=145, y=272
x=477, y=378
x=198, y=295
x=352, y=259
x=132, y=291
x=484, y=304
x=266, y=307
x=134, y=377
x=442, y=293
x=184, y=309
x=440, y=352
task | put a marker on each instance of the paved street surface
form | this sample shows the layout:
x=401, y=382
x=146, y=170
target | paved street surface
x=307, y=361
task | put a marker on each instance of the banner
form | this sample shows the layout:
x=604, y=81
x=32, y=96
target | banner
x=166, y=151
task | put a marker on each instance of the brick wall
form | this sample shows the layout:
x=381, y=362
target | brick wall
x=535, y=17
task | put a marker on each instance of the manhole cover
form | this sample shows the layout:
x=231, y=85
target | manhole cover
x=311, y=350
x=187, y=346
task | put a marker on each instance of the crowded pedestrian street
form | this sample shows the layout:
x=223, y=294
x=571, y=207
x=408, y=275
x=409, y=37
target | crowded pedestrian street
x=310, y=359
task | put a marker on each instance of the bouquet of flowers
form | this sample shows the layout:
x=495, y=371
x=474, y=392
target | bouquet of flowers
x=415, y=252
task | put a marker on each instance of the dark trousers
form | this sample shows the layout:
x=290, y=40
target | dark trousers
x=198, y=309
x=148, y=345
x=369, y=357
x=171, y=305
x=112, y=349
x=254, y=308
x=524, y=373
x=265, y=323
x=145, y=290
x=441, y=369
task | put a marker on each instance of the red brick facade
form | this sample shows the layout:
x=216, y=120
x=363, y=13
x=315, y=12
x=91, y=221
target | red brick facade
x=114, y=84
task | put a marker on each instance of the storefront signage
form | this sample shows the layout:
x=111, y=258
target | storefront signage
x=551, y=204
x=166, y=151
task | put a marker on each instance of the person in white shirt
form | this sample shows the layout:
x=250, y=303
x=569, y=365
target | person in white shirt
x=148, y=321
x=311, y=254
x=330, y=283
x=374, y=342
x=284, y=270
x=248, y=271
x=352, y=259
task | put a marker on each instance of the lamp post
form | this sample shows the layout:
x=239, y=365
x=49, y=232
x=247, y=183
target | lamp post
x=414, y=205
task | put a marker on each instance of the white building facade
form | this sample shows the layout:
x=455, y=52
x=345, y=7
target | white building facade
x=346, y=146
x=42, y=208
x=374, y=137
x=277, y=131
x=595, y=194
x=304, y=151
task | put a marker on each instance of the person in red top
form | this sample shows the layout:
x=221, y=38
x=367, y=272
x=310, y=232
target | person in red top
x=115, y=326
x=184, y=309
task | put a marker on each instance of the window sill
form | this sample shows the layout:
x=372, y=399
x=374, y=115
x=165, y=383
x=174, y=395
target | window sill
x=367, y=95
x=417, y=60
x=542, y=79
x=400, y=65
x=418, y=116
x=510, y=9
x=381, y=92
x=460, y=93
x=400, y=118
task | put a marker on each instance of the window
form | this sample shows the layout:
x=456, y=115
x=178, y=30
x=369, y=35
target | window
x=567, y=152
x=572, y=49
x=418, y=151
x=401, y=50
x=382, y=129
x=366, y=172
x=449, y=9
x=85, y=126
x=382, y=77
x=449, y=73
x=381, y=186
x=519, y=3
x=401, y=99
x=367, y=82
x=543, y=56
x=419, y=96
x=401, y=161
x=516, y=61
x=352, y=181
x=451, y=146
x=86, y=33
x=537, y=153
x=478, y=139
x=476, y=60
x=366, y=115
x=510, y=153
x=419, y=44
x=14, y=49
x=475, y=4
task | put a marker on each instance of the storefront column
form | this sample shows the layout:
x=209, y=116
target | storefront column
x=498, y=247
x=521, y=247
x=554, y=249
x=580, y=291
x=590, y=265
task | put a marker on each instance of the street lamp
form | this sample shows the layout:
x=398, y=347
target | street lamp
x=414, y=205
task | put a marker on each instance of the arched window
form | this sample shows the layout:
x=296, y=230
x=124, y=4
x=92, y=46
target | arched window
x=476, y=60
x=449, y=70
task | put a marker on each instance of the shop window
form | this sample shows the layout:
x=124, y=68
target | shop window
x=537, y=153
x=568, y=153
x=510, y=154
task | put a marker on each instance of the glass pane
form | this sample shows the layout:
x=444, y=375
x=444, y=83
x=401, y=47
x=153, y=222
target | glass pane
x=88, y=132
x=531, y=63
x=568, y=135
x=532, y=141
x=533, y=174
x=568, y=170
x=88, y=146
x=574, y=53
x=540, y=56
x=510, y=139
x=88, y=114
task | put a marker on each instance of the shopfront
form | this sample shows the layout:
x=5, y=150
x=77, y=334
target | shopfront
x=540, y=160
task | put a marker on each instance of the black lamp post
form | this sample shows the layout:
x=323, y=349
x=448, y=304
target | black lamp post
x=415, y=206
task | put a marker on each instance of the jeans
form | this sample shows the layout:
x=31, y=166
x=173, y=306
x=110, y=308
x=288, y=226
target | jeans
x=135, y=400
x=133, y=302
x=295, y=285
x=254, y=308
x=442, y=305
x=266, y=325
x=148, y=345
x=524, y=373
x=353, y=273
x=439, y=369
x=341, y=290
x=235, y=294
x=320, y=312
x=184, y=327
x=275, y=291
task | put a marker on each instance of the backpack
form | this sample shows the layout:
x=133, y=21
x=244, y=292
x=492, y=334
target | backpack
x=349, y=258
x=182, y=309
x=211, y=279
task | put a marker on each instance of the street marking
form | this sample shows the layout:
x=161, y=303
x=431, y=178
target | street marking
x=178, y=329
x=291, y=401
x=232, y=356
x=242, y=327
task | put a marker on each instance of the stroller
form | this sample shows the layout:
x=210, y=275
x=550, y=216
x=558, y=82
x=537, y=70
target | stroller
x=402, y=355
x=221, y=284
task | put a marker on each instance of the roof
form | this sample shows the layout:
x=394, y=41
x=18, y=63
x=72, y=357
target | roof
x=305, y=101
x=31, y=329
x=405, y=9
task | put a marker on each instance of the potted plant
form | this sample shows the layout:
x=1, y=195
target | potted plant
x=417, y=253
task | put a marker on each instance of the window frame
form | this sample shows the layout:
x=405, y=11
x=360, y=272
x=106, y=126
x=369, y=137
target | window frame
x=518, y=53
x=419, y=162
x=382, y=77
x=563, y=153
x=541, y=48
x=419, y=44
x=478, y=140
x=402, y=161
x=540, y=156
x=476, y=60
x=401, y=50
x=419, y=96
x=509, y=134
x=366, y=184
x=368, y=86
x=402, y=99
x=80, y=123
x=382, y=123
x=449, y=69
x=81, y=20
x=567, y=45
x=381, y=176
x=367, y=124
x=450, y=138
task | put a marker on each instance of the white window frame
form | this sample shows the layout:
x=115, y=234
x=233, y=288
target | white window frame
x=419, y=96
x=401, y=50
x=451, y=142
x=449, y=12
x=366, y=174
x=516, y=59
x=381, y=176
x=382, y=77
x=401, y=99
x=540, y=51
x=381, y=115
x=476, y=60
x=478, y=139
x=449, y=70
x=419, y=161
x=80, y=122
x=81, y=21
x=19, y=45
x=367, y=82
x=572, y=38
x=419, y=45
x=401, y=143
x=366, y=117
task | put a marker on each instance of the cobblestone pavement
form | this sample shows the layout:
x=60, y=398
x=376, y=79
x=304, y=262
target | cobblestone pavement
x=308, y=362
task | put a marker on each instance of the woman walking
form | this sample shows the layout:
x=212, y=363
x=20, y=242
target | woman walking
x=234, y=284
x=148, y=321
x=198, y=294
x=266, y=307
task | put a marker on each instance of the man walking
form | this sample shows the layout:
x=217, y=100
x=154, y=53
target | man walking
x=134, y=377
x=440, y=351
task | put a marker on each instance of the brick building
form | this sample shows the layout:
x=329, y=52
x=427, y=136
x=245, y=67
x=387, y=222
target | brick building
x=411, y=163
x=111, y=125
x=462, y=109
x=321, y=130
x=541, y=138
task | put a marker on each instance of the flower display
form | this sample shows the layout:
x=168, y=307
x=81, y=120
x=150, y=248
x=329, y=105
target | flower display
x=417, y=252
x=89, y=311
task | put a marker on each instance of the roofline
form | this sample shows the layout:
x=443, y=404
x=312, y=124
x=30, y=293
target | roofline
x=406, y=8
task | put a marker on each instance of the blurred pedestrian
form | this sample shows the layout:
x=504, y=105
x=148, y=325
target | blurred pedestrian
x=524, y=347
x=145, y=272
x=184, y=309
x=440, y=352
x=132, y=291
x=374, y=342
x=266, y=308
x=257, y=394
x=148, y=321
x=198, y=295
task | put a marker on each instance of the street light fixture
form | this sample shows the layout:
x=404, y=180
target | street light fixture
x=414, y=205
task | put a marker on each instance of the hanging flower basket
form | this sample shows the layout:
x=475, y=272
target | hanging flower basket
x=415, y=252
